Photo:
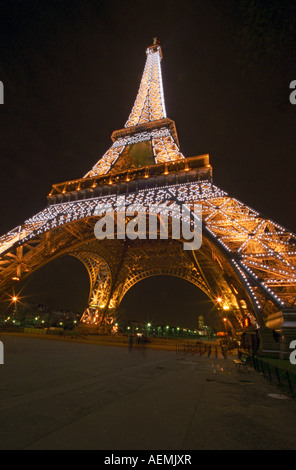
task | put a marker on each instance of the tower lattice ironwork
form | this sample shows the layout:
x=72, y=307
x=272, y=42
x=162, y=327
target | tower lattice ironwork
x=246, y=264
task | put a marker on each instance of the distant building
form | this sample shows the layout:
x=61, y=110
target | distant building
x=201, y=322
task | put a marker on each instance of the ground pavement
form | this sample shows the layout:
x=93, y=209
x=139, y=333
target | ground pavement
x=67, y=395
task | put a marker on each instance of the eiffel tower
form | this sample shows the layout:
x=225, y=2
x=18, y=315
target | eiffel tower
x=246, y=264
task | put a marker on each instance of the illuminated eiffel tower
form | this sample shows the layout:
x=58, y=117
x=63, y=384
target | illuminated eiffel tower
x=246, y=264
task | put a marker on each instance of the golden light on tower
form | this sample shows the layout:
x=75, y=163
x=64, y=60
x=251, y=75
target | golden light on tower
x=246, y=261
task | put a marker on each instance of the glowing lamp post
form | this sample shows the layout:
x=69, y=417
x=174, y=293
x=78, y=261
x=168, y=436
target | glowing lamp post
x=14, y=300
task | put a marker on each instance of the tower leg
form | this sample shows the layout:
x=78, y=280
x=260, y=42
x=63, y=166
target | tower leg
x=280, y=333
x=269, y=343
x=288, y=335
x=97, y=317
x=96, y=320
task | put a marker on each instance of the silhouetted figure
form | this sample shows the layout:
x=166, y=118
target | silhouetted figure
x=276, y=335
x=130, y=342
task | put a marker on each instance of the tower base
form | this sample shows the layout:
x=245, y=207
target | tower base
x=279, y=332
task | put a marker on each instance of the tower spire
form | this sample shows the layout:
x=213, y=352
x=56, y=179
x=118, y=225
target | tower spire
x=149, y=104
x=148, y=136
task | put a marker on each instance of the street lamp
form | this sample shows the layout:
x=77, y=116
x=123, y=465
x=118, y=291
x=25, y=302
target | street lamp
x=225, y=321
x=148, y=328
x=14, y=300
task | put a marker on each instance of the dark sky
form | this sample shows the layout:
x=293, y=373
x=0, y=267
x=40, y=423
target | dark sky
x=71, y=71
x=168, y=301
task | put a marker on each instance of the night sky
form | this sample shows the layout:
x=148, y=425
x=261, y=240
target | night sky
x=71, y=72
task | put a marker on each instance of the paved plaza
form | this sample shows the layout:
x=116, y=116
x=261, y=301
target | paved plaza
x=68, y=395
